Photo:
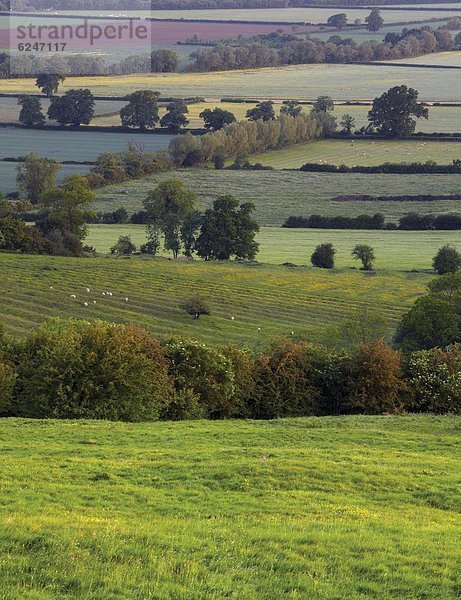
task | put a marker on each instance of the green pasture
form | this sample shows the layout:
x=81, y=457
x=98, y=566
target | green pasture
x=277, y=195
x=303, y=82
x=325, y=508
x=311, y=303
x=395, y=250
x=361, y=152
x=448, y=59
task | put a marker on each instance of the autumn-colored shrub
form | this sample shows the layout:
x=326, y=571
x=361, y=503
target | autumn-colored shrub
x=375, y=383
x=202, y=376
x=81, y=370
x=284, y=382
x=434, y=378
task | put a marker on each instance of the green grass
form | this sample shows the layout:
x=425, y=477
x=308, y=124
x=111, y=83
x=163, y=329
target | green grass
x=395, y=250
x=312, y=303
x=277, y=195
x=361, y=152
x=341, y=82
x=326, y=508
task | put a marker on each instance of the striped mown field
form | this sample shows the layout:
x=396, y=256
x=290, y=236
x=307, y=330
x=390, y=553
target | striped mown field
x=310, y=302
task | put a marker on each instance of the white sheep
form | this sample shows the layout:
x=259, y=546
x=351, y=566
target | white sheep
x=85, y=304
x=126, y=299
x=73, y=296
x=94, y=301
x=232, y=318
x=104, y=293
x=88, y=290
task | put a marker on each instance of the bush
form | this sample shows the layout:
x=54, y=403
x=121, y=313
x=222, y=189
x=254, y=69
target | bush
x=80, y=370
x=434, y=377
x=124, y=246
x=331, y=371
x=203, y=378
x=285, y=384
x=375, y=384
x=324, y=256
x=447, y=260
x=195, y=306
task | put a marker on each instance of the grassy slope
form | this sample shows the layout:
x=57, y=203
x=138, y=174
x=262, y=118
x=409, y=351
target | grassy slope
x=341, y=82
x=395, y=250
x=278, y=195
x=330, y=508
x=310, y=302
x=361, y=152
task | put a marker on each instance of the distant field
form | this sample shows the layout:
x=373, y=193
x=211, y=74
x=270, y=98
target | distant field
x=341, y=82
x=302, y=15
x=277, y=195
x=362, y=152
x=310, y=302
x=448, y=59
x=395, y=250
x=72, y=145
x=324, y=508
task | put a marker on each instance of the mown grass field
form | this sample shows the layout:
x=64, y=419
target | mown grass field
x=277, y=195
x=395, y=250
x=324, y=508
x=361, y=152
x=309, y=302
x=304, y=82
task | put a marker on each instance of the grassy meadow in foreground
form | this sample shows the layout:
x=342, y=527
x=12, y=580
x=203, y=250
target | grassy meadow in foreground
x=361, y=152
x=341, y=82
x=395, y=250
x=324, y=508
x=311, y=303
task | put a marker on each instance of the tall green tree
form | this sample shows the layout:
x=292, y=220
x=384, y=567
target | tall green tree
x=175, y=117
x=291, y=108
x=68, y=206
x=168, y=206
x=49, y=83
x=391, y=114
x=374, y=20
x=447, y=260
x=189, y=231
x=217, y=118
x=323, y=104
x=75, y=107
x=36, y=176
x=141, y=110
x=228, y=230
x=263, y=111
x=31, y=111
x=347, y=123
x=339, y=20
x=365, y=254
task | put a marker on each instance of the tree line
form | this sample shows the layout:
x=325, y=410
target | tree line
x=281, y=49
x=410, y=222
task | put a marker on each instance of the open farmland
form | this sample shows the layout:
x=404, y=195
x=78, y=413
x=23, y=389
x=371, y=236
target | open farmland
x=361, y=152
x=308, y=301
x=444, y=59
x=277, y=195
x=346, y=507
x=304, y=82
x=395, y=250
x=73, y=145
x=305, y=15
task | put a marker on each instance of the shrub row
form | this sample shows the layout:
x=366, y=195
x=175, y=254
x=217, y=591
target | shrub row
x=76, y=369
x=393, y=168
x=409, y=222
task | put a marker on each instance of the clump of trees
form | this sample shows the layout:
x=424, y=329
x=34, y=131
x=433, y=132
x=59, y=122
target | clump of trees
x=324, y=256
x=391, y=114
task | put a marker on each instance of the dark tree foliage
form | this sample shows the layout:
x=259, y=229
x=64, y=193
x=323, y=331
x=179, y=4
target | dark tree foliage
x=195, y=306
x=75, y=107
x=339, y=20
x=49, y=83
x=391, y=114
x=31, y=111
x=228, y=230
x=374, y=20
x=324, y=256
x=175, y=117
x=263, y=111
x=141, y=110
x=447, y=260
x=217, y=118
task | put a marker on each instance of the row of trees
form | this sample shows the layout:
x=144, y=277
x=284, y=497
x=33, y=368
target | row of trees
x=98, y=370
x=262, y=53
x=409, y=222
x=78, y=64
